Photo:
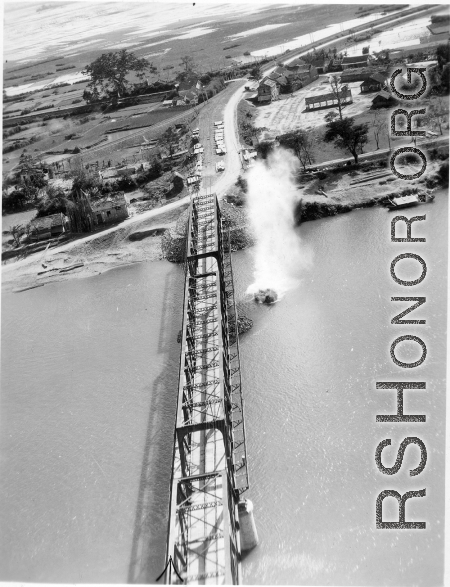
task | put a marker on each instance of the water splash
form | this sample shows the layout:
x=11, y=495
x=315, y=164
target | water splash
x=279, y=255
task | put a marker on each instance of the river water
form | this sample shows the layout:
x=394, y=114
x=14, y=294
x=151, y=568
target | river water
x=89, y=371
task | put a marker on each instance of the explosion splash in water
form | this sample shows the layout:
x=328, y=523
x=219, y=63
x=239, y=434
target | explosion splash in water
x=279, y=254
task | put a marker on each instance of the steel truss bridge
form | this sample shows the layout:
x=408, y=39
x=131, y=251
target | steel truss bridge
x=210, y=461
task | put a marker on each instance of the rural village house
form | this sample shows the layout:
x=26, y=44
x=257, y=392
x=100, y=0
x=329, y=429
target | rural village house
x=188, y=91
x=189, y=83
x=361, y=74
x=374, y=83
x=291, y=79
x=107, y=174
x=176, y=155
x=329, y=100
x=127, y=170
x=293, y=65
x=383, y=100
x=305, y=74
x=355, y=61
x=30, y=172
x=281, y=81
x=110, y=209
x=178, y=101
x=267, y=90
x=48, y=226
x=439, y=28
x=189, y=96
x=300, y=74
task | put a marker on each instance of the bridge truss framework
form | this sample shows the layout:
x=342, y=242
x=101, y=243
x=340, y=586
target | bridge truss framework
x=210, y=461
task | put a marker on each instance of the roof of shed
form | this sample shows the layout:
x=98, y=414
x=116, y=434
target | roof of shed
x=355, y=59
x=383, y=94
x=46, y=222
x=344, y=93
x=377, y=77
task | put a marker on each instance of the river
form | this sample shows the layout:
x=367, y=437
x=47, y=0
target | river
x=89, y=371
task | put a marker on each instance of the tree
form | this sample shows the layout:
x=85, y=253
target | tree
x=382, y=55
x=347, y=135
x=439, y=77
x=445, y=78
x=365, y=50
x=91, y=97
x=331, y=116
x=28, y=229
x=242, y=184
x=156, y=168
x=336, y=88
x=170, y=139
x=302, y=143
x=264, y=148
x=16, y=231
x=188, y=63
x=109, y=73
x=442, y=173
x=29, y=190
x=437, y=114
x=126, y=183
x=255, y=131
x=52, y=201
x=251, y=133
x=256, y=72
x=443, y=55
x=379, y=125
x=13, y=201
x=83, y=178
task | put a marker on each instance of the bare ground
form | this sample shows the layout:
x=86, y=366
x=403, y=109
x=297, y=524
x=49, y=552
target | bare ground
x=104, y=251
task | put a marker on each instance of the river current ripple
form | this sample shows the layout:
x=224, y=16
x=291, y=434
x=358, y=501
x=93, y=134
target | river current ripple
x=89, y=385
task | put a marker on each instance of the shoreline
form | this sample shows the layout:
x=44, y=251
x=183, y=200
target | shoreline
x=116, y=249
x=154, y=235
x=93, y=255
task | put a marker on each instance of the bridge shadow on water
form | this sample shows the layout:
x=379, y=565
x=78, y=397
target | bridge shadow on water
x=148, y=551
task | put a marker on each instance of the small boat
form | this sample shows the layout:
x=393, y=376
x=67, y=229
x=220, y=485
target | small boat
x=403, y=202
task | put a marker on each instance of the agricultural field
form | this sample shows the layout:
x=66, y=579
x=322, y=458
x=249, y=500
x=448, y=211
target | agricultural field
x=87, y=131
x=225, y=40
x=213, y=41
x=59, y=97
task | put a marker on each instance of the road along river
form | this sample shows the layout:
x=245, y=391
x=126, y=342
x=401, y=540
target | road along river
x=89, y=372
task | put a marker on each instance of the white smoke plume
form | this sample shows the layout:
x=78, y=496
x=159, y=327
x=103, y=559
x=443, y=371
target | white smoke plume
x=279, y=255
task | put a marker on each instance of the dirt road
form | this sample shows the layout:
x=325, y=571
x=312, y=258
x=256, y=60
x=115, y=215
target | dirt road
x=233, y=166
x=223, y=107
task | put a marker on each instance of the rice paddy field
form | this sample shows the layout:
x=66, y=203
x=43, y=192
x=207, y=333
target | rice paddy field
x=162, y=33
x=215, y=36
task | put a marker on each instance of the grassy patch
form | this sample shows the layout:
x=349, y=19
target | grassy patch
x=245, y=119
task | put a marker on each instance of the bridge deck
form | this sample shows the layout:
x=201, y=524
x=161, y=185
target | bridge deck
x=207, y=479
